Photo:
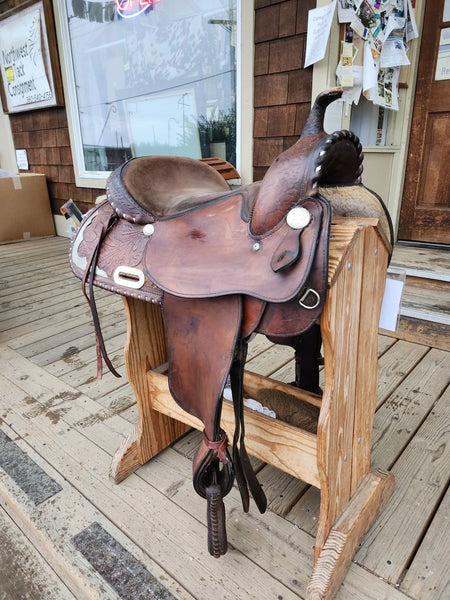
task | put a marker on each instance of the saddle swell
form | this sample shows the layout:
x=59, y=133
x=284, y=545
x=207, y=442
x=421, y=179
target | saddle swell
x=223, y=264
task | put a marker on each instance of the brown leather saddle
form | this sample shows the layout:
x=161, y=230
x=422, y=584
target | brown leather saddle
x=223, y=264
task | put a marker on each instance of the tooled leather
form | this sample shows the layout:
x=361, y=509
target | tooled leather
x=123, y=245
x=290, y=317
x=209, y=254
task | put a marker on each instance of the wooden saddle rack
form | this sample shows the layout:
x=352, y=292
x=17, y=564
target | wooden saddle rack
x=202, y=268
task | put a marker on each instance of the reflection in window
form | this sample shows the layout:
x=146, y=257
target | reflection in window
x=155, y=81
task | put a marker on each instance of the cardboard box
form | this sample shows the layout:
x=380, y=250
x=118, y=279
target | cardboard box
x=25, y=207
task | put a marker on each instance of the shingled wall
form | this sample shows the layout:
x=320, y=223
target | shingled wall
x=282, y=87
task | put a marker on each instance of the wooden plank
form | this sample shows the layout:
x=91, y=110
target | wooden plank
x=81, y=367
x=287, y=554
x=51, y=328
x=58, y=308
x=146, y=348
x=422, y=259
x=366, y=355
x=430, y=305
x=267, y=439
x=384, y=343
x=54, y=318
x=340, y=331
x=31, y=268
x=422, y=332
x=68, y=345
x=342, y=240
x=282, y=490
x=305, y=513
x=267, y=362
x=404, y=411
x=37, y=288
x=31, y=247
x=415, y=281
x=395, y=423
x=368, y=501
x=395, y=365
x=427, y=577
x=421, y=475
x=257, y=345
x=23, y=571
x=255, y=385
x=51, y=303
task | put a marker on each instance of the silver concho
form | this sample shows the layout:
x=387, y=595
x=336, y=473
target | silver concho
x=298, y=217
x=148, y=229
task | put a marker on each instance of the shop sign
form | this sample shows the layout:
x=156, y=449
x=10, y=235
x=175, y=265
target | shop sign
x=129, y=9
x=25, y=63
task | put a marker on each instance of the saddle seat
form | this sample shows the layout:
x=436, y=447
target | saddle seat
x=155, y=188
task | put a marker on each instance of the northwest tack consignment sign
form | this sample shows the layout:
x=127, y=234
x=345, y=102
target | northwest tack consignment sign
x=27, y=74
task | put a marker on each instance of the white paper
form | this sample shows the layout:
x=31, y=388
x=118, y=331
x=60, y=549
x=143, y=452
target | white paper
x=22, y=159
x=411, y=26
x=390, y=307
x=353, y=94
x=370, y=69
x=319, y=25
x=386, y=92
x=346, y=12
x=250, y=403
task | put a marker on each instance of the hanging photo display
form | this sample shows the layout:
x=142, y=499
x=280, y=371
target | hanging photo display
x=382, y=29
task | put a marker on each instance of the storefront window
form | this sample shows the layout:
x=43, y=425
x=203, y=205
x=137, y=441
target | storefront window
x=152, y=77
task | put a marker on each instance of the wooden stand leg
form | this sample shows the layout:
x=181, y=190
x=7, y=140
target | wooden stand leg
x=146, y=348
x=366, y=504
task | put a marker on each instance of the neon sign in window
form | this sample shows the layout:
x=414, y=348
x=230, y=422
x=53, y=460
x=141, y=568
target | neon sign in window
x=133, y=8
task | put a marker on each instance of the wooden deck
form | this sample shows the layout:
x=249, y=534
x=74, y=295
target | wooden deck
x=67, y=531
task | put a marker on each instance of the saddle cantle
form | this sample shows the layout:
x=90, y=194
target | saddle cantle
x=223, y=264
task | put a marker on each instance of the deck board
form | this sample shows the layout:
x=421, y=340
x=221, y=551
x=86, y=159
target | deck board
x=23, y=571
x=71, y=424
x=426, y=579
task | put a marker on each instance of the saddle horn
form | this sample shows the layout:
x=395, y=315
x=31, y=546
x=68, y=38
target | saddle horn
x=314, y=159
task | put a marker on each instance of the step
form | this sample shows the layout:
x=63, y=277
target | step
x=426, y=295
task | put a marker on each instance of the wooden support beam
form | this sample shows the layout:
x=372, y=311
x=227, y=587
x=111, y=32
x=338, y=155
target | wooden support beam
x=266, y=438
x=363, y=508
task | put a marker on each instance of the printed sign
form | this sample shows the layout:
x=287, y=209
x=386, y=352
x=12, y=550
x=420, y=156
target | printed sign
x=22, y=62
x=25, y=64
x=443, y=59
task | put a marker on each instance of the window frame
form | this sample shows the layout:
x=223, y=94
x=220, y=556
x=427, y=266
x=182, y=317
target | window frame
x=244, y=96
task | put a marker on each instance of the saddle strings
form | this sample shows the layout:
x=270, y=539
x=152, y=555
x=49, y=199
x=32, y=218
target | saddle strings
x=245, y=475
x=90, y=273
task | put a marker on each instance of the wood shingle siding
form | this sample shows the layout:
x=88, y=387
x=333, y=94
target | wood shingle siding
x=282, y=93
